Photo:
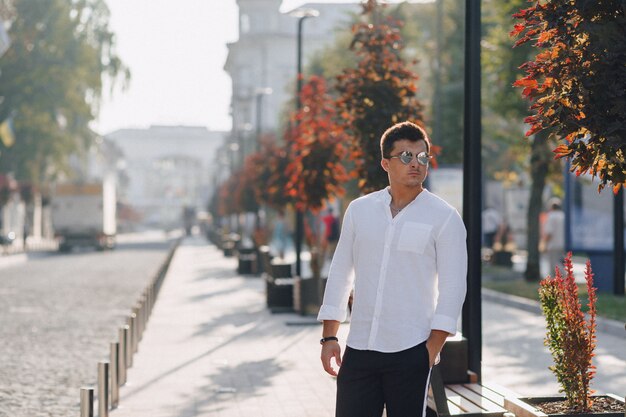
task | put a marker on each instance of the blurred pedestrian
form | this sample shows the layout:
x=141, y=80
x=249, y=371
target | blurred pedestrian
x=403, y=249
x=279, y=234
x=331, y=233
x=491, y=223
x=553, y=235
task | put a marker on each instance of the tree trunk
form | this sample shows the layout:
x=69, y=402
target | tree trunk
x=540, y=159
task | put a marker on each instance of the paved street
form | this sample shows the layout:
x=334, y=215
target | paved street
x=212, y=349
x=58, y=314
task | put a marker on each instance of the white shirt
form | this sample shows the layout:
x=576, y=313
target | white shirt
x=491, y=220
x=408, y=272
x=555, y=227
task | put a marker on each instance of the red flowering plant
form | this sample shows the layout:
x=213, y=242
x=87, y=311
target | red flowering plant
x=570, y=337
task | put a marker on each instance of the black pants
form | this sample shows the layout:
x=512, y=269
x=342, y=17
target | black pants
x=370, y=380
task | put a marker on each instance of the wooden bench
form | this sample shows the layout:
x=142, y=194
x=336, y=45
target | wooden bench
x=454, y=390
x=469, y=399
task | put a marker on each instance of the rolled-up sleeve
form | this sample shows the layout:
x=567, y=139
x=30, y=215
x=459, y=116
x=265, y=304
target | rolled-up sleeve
x=340, y=275
x=451, y=272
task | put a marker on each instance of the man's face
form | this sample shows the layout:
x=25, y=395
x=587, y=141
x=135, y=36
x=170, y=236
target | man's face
x=411, y=175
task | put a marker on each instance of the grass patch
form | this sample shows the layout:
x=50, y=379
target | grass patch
x=608, y=305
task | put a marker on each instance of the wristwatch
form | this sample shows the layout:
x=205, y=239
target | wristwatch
x=328, y=339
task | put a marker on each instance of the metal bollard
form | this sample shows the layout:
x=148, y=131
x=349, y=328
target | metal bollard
x=103, y=389
x=86, y=402
x=149, y=299
x=115, y=380
x=144, y=309
x=133, y=330
x=128, y=337
x=139, y=313
x=121, y=356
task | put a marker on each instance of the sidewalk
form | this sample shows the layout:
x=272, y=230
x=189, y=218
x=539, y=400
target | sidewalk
x=212, y=349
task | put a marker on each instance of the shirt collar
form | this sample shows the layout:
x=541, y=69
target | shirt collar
x=384, y=195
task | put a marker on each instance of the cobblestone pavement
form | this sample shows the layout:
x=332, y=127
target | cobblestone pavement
x=58, y=314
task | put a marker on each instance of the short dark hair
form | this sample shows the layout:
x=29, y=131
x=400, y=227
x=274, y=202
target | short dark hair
x=402, y=131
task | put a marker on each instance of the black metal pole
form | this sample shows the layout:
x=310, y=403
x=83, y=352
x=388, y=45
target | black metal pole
x=299, y=214
x=618, y=243
x=472, y=192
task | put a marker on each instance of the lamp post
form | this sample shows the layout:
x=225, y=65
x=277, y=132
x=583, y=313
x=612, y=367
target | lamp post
x=243, y=137
x=472, y=188
x=259, y=93
x=301, y=14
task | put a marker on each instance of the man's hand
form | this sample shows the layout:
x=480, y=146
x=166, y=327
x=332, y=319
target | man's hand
x=434, y=344
x=331, y=349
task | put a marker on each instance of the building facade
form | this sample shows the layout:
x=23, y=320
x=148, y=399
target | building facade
x=164, y=169
x=265, y=56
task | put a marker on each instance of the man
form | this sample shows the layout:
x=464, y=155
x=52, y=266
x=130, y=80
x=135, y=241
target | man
x=404, y=251
x=491, y=223
x=553, y=239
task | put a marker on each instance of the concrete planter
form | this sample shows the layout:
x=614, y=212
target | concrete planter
x=279, y=288
x=307, y=295
x=524, y=407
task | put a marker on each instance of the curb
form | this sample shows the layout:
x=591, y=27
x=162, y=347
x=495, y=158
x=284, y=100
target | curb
x=10, y=260
x=112, y=373
x=612, y=327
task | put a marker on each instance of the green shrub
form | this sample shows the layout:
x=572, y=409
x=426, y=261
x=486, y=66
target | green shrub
x=570, y=337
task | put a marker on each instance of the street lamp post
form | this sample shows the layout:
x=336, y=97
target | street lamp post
x=301, y=14
x=472, y=189
x=259, y=93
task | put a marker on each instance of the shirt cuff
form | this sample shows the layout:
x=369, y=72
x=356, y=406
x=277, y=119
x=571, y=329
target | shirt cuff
x=444, y=323
x=332, y=313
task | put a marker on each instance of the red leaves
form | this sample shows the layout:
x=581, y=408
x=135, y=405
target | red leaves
x=380, y=91
x=316, y=171
x=526, y=82
x=562, y=151
x=570, y=338
x=573, y=82
x=517, y=29
x=546, y=36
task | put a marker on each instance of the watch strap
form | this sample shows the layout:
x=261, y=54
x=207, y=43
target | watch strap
x=328, y=339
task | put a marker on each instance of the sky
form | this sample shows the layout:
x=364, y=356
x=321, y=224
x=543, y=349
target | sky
x=176, y=52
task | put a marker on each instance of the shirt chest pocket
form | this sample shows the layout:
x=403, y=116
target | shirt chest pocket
x=414, y=237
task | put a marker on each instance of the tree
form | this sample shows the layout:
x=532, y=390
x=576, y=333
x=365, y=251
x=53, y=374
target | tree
x=379, y=92
x=577, y=82
x=266, y=169
x=51, y=82
x=503, y=107
x=503, y=126
x=316, y=171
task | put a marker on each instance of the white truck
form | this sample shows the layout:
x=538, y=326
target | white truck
x=85, y=215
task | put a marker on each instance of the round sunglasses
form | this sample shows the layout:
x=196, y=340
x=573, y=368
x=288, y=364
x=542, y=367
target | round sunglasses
x=407, y=156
